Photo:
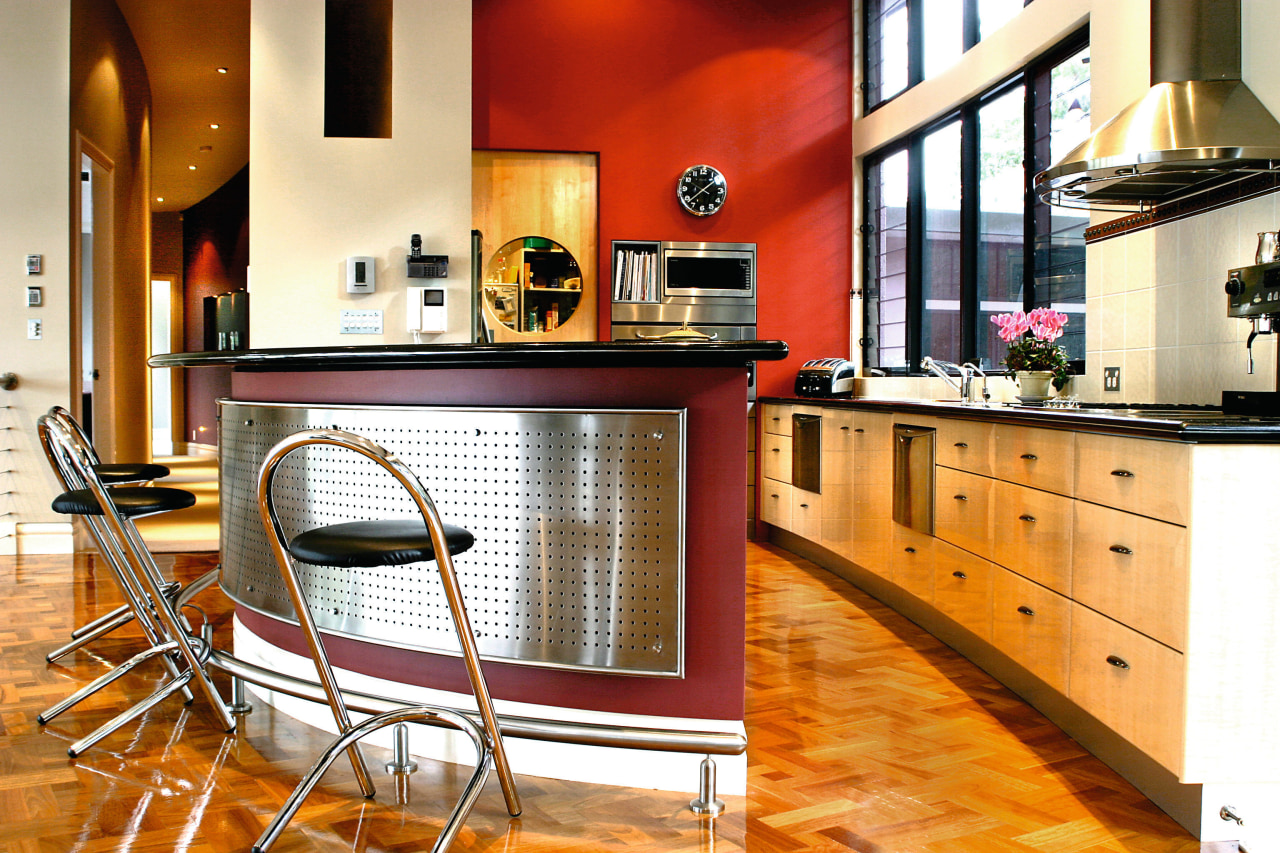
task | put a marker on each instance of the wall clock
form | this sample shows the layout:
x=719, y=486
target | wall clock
x=702, y=190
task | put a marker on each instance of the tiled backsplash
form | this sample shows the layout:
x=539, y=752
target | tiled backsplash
x=1157, y=310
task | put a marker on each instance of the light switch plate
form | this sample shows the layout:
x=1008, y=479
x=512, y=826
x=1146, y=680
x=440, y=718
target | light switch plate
x=364, y=322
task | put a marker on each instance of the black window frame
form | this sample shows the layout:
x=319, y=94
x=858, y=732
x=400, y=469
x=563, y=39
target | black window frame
x=913, y=143
x=972, y=33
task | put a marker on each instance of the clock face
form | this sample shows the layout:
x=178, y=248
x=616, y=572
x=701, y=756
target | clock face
x=702, y=190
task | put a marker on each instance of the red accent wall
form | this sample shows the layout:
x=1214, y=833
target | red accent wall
x=761, y=90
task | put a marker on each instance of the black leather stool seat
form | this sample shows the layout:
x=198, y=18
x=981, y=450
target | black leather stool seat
x=130, y=501
x=363, y=544
x=111, y=473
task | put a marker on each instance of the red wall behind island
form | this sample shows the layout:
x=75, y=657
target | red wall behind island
x=761, y=90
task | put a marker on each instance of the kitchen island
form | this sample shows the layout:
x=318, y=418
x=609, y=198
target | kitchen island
x=606, y=486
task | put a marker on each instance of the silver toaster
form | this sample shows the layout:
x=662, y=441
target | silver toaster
x=826, y=377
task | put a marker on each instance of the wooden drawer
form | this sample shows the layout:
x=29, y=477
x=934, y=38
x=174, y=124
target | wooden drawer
x=1040, y=458
x=962, y=587
x=1144, y=476
x=1131, y=683
x=1033, y=532
x=964, y=444
x=1032, y=625
x=837, y=431
x=1133, y=569
x=775, y=503
x=873, y=431
x=806, y=514
x=911, y=561
x=870, y=544
x=776, y=419
x=775, y=457
x=962, y=513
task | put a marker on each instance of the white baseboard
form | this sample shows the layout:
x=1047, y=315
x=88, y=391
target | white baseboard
x=632, y=768
x=53, y=537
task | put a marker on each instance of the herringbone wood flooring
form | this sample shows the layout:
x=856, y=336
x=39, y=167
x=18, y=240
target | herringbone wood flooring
x=865, y=734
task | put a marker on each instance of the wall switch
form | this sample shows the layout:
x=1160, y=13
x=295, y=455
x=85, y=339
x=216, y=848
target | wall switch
x=1111, y=379
x=35, y=329
x=35, y=297
x=362, y=322
x=35, y=264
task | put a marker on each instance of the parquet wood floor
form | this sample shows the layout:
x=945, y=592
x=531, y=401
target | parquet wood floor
x=866, y=734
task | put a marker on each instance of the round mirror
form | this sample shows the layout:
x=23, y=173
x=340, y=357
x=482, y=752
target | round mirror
x=532, y=285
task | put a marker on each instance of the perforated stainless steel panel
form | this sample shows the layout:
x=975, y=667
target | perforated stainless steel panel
x=578, y=517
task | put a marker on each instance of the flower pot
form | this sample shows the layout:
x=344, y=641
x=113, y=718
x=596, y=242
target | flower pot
x=1034, y=384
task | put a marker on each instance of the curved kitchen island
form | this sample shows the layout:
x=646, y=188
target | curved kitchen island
x=606, y=486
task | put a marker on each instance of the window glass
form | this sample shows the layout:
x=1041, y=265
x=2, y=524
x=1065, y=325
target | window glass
x=943, y=35
x=994, y=14
x=1062, y=122
x=1001, y=212
x=887, y=300
x=940, y=323
x=886, y=49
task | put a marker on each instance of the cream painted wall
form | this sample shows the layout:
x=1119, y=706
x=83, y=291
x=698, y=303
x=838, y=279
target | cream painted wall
x=35, y=43
x=314, y=201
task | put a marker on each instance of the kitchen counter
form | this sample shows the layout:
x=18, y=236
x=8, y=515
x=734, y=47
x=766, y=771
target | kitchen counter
x=1201, y=425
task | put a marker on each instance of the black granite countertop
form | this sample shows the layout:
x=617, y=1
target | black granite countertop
x=678, y=353
x=1198, y=425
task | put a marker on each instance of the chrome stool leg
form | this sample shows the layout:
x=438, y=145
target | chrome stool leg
x=400, y=761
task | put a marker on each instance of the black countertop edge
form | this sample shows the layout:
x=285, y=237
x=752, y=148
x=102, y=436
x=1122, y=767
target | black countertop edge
x=1266, y=431
x=431, y=356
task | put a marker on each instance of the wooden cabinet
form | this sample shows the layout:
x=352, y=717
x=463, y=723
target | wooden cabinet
x=1142, y=476
x=1040, y=458
x=1130, y=682
x=1032, y=625
x=776, y=419
x=1033, y=534
x=775, y=457
x=775, y=503
x=806, y=514
x=911, y=561
x=965, y=445
x=963, y=510
x=962, y=587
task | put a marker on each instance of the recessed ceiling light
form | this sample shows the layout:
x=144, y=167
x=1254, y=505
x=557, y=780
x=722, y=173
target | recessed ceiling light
x=222, y=71
x=192, y=168
x=205, y=149
x=159, y=198
x=214, y=126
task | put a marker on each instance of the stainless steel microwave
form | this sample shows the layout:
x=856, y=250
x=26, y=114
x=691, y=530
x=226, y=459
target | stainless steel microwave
x=709, y=270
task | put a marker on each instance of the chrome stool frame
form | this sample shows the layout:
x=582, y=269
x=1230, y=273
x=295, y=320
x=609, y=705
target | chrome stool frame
x=143, y=587
x=486, y=736
x=111, y=475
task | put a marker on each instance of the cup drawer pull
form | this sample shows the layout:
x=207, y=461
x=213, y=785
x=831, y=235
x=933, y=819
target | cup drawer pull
x=959, y=574
x=961, y=445
x=1120, y=549
x=1025, y=610
x=776, y=449
x=962, y=497
x=909, y=549
x=1030, y=457
x=804, y=506
x=1117, y=662
x=1030, y=519
x=844, y=429
x=1120, y=472
x=859, y=429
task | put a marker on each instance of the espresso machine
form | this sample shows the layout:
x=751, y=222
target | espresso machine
x=1253, y=294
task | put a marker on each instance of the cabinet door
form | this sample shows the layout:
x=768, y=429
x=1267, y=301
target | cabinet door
x=1040, y=458
x=1133, y=569
x=1144, y=476
x=775, y=461
x=775, y=503
x=1032, y=625
x=1033, y=534
x=911, y=561
x=806, y=514
x=965, y=445
x=776, y=419
x=962, y=587
x=962, y=510
x=1131, y=683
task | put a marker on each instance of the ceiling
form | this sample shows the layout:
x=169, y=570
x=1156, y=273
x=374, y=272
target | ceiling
x=183, y=44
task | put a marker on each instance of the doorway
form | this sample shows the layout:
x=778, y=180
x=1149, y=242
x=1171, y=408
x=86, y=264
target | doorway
x=165, y=327
x=93, y=266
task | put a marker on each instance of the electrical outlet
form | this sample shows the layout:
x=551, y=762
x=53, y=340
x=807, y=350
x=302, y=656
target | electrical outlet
x=1111, y=379
x=35, y=329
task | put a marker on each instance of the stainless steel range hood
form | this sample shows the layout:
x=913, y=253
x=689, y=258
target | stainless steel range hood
x=1198, y=127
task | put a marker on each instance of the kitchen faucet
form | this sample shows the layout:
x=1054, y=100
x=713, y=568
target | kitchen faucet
x=965, y=384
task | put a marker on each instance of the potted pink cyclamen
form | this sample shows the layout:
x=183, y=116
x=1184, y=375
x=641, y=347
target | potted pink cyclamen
x=1033, y=356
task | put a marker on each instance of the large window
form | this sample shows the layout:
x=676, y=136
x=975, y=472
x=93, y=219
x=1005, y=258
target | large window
x=954, y=234
x=912, y=40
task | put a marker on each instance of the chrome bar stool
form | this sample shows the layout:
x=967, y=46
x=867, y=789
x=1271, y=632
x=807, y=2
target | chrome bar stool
x=111, y=474
x=381, y=543
x=110, y=514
